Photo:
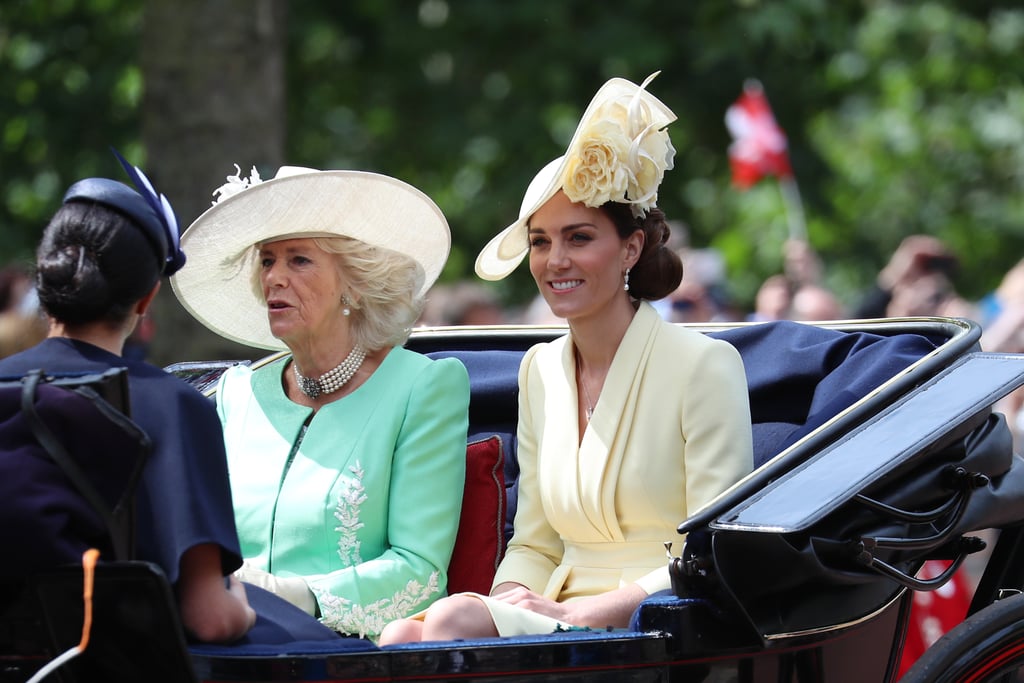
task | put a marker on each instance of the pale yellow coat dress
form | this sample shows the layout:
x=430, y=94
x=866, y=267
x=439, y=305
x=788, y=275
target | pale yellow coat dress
x=670, y=431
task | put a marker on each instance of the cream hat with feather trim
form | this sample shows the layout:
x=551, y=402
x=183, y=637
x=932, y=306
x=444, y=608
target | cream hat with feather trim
x=216, y=284
x=619, y=152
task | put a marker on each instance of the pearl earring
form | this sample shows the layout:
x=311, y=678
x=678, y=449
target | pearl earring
x=345, y=300
x=626, y=278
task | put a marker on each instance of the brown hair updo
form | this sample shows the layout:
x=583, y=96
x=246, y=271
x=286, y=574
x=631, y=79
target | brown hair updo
x=659, y=270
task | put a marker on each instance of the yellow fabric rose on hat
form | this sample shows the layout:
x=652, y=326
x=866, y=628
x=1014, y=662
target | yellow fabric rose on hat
x=597, y=171
x=650, y=156
x=621, y=156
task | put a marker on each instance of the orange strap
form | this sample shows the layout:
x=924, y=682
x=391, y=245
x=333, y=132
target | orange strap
x=89, y=558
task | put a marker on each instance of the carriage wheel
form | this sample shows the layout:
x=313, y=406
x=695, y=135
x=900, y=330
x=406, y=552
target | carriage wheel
x=988, y=646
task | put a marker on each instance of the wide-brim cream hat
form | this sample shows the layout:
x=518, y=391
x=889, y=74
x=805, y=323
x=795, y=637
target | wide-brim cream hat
x=619, y=152
x=216, y=284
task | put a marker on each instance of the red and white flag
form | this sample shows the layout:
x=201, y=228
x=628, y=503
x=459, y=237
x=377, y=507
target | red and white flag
x=759, y=145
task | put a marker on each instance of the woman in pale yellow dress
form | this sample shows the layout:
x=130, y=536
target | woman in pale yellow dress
x=628, y=424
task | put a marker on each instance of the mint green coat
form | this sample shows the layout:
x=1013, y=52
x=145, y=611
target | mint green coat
x=364, y=505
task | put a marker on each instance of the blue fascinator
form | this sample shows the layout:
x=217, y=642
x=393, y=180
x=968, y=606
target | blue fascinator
x=148, y=209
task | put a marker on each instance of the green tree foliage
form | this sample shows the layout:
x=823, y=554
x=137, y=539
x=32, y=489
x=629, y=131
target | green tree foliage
x=70, y=87
x=928, y=137
x=468, y=99
x=901, y=117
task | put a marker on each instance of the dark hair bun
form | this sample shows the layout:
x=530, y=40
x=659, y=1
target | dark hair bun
x=71, y=286
x=93, y=264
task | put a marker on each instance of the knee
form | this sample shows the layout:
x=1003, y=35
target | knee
x=401, y=631
x=451, y=608
x=458, y=616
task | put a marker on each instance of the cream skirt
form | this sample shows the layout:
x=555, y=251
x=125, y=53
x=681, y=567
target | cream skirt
x=511, y=620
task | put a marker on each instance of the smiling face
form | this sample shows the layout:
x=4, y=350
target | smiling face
x=302, y=286
x=578, y=259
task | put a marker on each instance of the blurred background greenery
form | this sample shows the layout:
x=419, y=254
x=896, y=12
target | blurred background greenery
x=902, y=117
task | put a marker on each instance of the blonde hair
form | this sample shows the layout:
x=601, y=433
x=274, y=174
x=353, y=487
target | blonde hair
x=383, y=290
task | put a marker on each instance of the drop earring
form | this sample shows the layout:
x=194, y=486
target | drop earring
x=625, y=286
x=347, y=303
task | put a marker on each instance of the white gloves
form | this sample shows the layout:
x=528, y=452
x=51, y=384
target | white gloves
x=293, y=589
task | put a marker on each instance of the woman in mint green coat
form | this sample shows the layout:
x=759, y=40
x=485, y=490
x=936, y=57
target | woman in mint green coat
x=346, y=455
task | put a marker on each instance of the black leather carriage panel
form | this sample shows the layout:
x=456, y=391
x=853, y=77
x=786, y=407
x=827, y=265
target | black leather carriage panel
x=907, y=429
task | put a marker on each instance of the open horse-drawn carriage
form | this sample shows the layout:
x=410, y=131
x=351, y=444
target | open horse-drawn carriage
x=876, y=449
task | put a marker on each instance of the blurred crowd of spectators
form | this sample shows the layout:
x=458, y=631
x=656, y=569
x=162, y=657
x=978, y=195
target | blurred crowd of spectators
x=21, y=324
x=917, y=280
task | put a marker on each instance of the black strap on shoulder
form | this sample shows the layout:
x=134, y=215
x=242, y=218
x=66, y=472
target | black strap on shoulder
x=59, y=454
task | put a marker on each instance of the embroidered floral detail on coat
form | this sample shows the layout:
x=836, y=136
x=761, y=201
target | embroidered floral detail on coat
x=341, y=614
x=347, y=513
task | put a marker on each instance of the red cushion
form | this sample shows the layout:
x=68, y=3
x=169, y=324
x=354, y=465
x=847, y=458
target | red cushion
x=480, y=543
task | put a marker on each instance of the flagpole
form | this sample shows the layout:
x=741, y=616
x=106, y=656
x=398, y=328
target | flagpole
x=759, y=150
x=794, y=208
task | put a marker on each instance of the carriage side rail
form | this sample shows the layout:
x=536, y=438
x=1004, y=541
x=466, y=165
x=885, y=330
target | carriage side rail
x=962, y=336
x=900, y=434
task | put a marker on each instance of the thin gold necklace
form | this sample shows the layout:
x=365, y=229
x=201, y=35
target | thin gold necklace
x=589, y=409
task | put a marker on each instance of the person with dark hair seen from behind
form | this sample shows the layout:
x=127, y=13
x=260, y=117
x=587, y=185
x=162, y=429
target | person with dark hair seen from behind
x=629, y=423
x=99, y=266
x=347, y=454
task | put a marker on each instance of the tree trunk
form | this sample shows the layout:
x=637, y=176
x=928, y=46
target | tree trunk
x=214, y=96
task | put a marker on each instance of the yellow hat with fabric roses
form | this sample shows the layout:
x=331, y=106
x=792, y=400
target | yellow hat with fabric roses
x=619, y=153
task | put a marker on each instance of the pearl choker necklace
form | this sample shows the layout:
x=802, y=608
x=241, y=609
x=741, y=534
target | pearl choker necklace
x=332, y=380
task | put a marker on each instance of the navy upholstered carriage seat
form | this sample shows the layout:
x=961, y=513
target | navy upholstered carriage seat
x=799, y=376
